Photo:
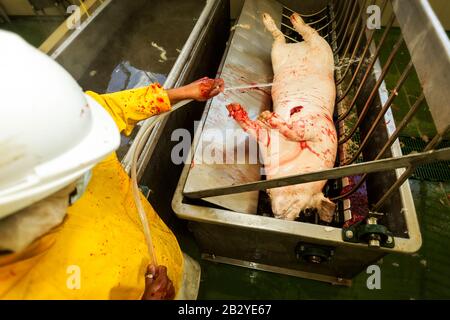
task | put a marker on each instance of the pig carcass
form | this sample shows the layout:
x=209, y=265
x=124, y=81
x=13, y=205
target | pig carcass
x=303, y=95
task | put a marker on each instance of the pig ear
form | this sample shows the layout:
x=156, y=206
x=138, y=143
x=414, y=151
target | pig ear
x=326, y=209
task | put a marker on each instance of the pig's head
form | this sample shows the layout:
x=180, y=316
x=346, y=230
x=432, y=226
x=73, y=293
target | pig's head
x=288, y=203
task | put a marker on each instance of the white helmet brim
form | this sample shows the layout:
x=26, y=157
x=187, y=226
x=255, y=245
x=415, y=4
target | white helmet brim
x=102, y=139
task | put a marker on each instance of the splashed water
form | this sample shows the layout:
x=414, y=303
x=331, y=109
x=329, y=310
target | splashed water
x=257, y=85
x=347, y=62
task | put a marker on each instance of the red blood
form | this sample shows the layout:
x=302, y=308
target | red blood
x=296, y=109
x=160, y=100
x=328, y=118
x=240, y=115
x=237, y=112
x=206, y=86
x=304, y=145
x=331, y=133
x=261, y=90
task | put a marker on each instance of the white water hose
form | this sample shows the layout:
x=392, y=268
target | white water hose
x=136, y=194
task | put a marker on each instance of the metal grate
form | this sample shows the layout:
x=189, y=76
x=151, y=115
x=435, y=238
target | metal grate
x=438, y=171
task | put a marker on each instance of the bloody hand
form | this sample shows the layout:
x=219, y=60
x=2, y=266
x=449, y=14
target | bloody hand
x=158, y=286
x=205, y=88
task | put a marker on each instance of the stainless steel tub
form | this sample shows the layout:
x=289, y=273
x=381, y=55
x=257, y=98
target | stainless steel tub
x=226, y=223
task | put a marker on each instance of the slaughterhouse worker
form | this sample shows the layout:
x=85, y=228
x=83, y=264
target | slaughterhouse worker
x=69, y=228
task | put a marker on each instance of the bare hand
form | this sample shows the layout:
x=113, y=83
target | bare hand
x=158, y=286
x=205, y=88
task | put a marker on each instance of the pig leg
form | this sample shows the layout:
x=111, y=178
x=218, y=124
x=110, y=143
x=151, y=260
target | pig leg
x=278, y=36
x=256, y=129
x=299, y=130
x=326, y=209
x=302, y=28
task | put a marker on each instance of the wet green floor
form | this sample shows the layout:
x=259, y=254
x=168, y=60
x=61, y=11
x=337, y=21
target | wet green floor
x=425, y=275
x=35, y=30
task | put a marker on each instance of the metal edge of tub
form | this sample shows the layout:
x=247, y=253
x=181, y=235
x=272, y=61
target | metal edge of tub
x=431, y=61
x=425, y=26
x=173, y=80
x=320, y=234
x=414, y=242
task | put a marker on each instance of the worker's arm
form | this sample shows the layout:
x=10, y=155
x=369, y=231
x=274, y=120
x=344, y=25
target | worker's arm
x=200, y=90
x=131, y=106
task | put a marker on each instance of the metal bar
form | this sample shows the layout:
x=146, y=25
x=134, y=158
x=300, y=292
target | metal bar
x=352, y=36
x=383, y=110
x=353, y=190
x=288, y=26
x=334, y=173
x=318, y=30
x=308, y=15
x=338, y=16
x=374, y=90
x=403, y=123
x=356, y=48
x=308, y=23
x=292, y=39
x=358, y=44
x=387, y=145
x=55, y=43
x=356, y=72
x=279, y=270
x=341, y=15
x=4, y=14
x=346, y=21
x=328, y=23
x=171, y=81
x=368, y=70
x=429, y=47
x=337, y=7
x=433, y=143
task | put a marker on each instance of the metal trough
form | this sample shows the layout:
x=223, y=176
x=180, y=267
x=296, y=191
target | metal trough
x=376, y=213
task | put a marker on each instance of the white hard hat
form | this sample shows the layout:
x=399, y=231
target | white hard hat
x=51, y=133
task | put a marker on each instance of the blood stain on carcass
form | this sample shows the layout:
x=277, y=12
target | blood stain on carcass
x=304, y=145
x=296, y=109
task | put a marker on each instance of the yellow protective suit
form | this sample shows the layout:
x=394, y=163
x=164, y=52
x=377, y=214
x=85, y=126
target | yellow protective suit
x=99, y=251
